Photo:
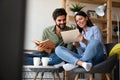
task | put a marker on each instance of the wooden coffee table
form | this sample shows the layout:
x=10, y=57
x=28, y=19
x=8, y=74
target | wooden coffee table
x=43, y=69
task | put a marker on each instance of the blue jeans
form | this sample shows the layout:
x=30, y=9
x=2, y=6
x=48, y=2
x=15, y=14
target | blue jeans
x=93, y=53
x=28, y=58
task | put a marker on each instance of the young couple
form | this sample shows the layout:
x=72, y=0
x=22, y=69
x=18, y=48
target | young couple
x=90, y=48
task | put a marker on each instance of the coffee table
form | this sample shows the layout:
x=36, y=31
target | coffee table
x=43, y=69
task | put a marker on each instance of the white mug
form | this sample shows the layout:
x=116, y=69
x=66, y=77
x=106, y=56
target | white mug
x=45, y=61
x=36, y=61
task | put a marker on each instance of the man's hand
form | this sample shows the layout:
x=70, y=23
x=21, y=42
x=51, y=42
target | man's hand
x=36, y=42
x=41, y=47
x=46, y=45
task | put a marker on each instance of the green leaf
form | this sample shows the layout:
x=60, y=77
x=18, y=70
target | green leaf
x=76, y=7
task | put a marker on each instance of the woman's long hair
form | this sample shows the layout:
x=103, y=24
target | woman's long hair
x=89, y=22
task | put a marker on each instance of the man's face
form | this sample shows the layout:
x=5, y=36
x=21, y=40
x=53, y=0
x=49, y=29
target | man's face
x=60, y=22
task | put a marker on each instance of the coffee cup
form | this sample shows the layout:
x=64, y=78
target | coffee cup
x=45, y=61
x=36, y=61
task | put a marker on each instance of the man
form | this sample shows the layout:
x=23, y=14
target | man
x=52, y=33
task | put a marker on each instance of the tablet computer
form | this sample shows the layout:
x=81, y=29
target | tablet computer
x=70, y=36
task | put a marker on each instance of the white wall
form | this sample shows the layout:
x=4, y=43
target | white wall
x=38, y=16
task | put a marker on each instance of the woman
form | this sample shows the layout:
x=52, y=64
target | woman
x=90, y=46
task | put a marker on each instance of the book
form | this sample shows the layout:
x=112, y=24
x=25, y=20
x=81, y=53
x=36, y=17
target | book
x=70, y=36
x=49, y=45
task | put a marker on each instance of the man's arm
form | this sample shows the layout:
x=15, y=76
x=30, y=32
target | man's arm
x=46, y=45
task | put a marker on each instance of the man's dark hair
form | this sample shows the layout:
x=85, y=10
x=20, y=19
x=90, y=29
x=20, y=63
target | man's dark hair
x=58, y=12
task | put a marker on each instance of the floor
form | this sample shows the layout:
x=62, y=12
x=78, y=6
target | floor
x=29, y=75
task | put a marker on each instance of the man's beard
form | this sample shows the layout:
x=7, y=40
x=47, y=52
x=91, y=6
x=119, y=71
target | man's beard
x=61, y=27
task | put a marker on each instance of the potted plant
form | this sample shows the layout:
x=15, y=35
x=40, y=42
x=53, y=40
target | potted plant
x=76, y=7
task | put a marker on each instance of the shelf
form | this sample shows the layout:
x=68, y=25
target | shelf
x=91, y=1
x=114, y=38
x=115, y=22
x=113, y=35
x=100, y=2
x=116, y=4
x=96, y=20
x=104, y=30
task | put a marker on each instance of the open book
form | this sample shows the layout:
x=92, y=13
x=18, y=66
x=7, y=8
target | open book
x=50, y=46
x=70, y=36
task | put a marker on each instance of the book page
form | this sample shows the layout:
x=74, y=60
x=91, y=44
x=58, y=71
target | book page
x=49, y=45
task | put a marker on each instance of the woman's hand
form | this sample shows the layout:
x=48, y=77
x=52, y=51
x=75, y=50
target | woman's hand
x=76, y=44
x=81, y=38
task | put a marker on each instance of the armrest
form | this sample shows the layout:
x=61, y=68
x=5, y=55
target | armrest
x=105, y=66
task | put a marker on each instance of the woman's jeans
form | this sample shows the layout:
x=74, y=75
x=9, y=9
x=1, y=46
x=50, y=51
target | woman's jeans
x=93, y=53
x=28, y=58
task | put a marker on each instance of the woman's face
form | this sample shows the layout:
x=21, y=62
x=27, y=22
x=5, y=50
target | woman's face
x=81, y=21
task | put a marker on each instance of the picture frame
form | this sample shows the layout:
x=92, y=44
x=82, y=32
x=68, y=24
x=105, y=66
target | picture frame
x=92, y=14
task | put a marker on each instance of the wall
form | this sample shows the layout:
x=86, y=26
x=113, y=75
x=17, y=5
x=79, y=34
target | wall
x=38, y=16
